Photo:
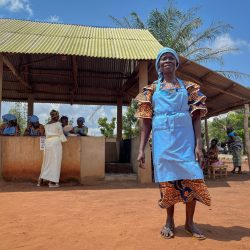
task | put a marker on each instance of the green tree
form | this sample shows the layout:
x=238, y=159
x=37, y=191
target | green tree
x=184, y=32
x=130, y=123
x=106, y=128
x=20, y=110
x=217, y=127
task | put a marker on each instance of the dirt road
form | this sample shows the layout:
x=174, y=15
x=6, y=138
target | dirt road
x=119, y=216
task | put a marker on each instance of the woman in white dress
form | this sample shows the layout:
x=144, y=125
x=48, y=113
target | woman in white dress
x=52, y=158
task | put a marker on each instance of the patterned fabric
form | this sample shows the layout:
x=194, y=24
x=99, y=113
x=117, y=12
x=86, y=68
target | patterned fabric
x=236, y=157
x=234, y=142
x=196, y=99
x=184, y=191
x=144, y=100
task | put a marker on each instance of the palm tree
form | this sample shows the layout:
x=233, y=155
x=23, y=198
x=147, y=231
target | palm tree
x=182, y=31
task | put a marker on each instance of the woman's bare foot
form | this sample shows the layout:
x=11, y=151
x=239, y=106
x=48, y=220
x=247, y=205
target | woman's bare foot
x=167, y=231
x=53, y=185
x=193, y=230
x=39, y=182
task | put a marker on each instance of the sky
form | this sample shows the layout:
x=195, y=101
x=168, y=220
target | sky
x=97, y=12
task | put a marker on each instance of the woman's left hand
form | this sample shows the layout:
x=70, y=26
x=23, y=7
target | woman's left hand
x=199, y=156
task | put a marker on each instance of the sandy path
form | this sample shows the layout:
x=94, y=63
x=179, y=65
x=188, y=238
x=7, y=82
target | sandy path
x=118, y=216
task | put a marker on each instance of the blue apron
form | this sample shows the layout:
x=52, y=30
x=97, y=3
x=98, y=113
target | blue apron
x=173, y=136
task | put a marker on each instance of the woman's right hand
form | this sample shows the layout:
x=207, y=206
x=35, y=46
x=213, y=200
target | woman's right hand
x=141, y=159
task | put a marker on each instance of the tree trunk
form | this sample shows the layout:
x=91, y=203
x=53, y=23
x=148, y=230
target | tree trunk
x=246, y=133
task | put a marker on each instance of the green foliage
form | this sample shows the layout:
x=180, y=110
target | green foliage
x=130, y=123
x=20, y=110
x=106, y=128
x=217, y=127
x=184, y=32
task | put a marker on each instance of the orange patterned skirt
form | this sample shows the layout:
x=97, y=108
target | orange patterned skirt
x=184, y=191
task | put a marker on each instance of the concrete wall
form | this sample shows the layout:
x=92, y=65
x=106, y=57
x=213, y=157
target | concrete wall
x=21, y=158
x=71, y=159
x=111, y=150
x=92, y=159
x=144, y=175
x=82, y=157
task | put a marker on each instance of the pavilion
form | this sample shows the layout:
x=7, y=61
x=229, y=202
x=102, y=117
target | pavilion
x=60, y=63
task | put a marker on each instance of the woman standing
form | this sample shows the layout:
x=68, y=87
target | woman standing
x=173, y=110
x=52, y=158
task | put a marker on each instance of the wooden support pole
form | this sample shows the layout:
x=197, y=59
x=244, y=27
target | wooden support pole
x=143, y=74
x=30, y=104
x=246, y=132
x=119, y=119
x=206, y=134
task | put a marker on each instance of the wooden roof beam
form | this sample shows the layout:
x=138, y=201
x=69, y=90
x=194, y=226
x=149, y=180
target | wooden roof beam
x=211, y=85
x=215, y=97
x=228, y=108
x=8, y=63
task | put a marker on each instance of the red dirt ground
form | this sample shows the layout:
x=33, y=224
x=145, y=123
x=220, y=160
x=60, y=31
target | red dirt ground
x=119, y=216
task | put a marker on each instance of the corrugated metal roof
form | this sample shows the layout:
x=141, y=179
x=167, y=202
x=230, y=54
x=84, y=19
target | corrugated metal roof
x=29, y=37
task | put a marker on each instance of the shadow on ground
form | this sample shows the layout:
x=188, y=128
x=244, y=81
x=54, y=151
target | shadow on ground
x=7, y=186
x=219, y=233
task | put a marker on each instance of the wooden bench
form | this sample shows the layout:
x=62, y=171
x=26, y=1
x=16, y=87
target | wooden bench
x=217, y=171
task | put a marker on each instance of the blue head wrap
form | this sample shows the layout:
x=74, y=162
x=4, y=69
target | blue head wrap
x=81, y=119
x=12, y=118
x=8, y=117
x=160, y=53
x=33, y=119
x=231, y=134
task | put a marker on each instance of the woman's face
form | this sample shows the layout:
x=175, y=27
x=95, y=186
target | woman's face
x=79, y=123
x=55, y=118
x=65, y=122
x=167, y=63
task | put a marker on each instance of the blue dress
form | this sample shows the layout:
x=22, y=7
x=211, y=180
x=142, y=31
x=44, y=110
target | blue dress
x=175, y=168
x=173, y=136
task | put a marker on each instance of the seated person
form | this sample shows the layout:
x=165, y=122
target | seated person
x=81, y=129
x=213, y=153
x=5, y=119
x=67, y=129
x=11, y=128
x=34, y=127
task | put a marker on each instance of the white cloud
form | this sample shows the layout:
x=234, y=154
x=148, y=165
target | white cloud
x=17, y=5
x=54, y=19
x=226, y=41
